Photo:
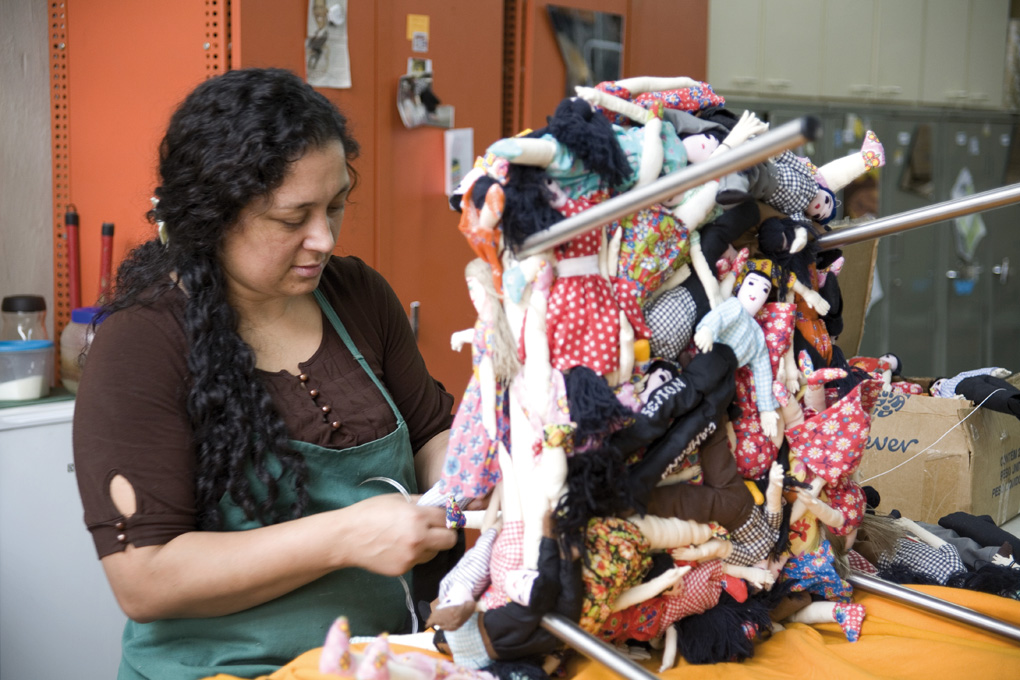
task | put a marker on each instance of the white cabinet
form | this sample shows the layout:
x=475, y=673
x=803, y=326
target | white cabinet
x=754, y=48
x=942, y=52
x=896, y=45
x=58, y=617
x=965, y=52
x=734, y=39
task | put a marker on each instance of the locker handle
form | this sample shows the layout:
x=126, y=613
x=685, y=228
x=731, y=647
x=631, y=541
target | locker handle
x=1002, y=270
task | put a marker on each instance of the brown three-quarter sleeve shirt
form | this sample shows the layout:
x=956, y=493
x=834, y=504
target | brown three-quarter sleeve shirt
x=131, y=418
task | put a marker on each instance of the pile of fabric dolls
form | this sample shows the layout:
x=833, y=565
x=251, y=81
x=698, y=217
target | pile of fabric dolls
x=657, y=414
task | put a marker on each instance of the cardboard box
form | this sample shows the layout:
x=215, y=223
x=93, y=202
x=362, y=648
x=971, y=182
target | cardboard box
x=930, y=456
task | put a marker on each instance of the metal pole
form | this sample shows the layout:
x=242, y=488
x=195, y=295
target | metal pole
x=987, y=200
x=753, y=151
x=933, y=604
x=595, y=649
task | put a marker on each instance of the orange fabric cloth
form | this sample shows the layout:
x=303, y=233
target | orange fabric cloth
x=897, y=641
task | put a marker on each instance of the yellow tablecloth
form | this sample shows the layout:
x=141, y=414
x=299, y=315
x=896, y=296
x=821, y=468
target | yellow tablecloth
x=897, y=641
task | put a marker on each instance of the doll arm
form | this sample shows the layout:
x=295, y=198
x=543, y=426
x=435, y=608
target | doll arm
x=826, y=514
x=649, y=589
x=669, y=650
x=704, y=271
x=460, y=338
x=769, y=422
x=920, y=532
x=715, y=548
x=762, y=579
x=813, y=298
x=525, y=150
x=671, y=532
x=611, y=102
x=693, y=207
x=774, y=491
x=748, y=126
x=626, y=368
x=487, y=385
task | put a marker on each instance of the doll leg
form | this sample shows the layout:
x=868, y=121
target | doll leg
x=671, y=532
x=842, y=171
x=622, y=374
x=669, y=650
x=849, y=616
x=716, y=548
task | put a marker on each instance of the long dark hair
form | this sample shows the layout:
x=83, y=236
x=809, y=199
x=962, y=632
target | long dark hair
x=231, y=142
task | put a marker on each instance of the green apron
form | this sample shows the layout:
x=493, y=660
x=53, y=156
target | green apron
x=257, y=641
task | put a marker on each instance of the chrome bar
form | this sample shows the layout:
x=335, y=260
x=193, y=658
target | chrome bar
x=753, y=151
x=930, y=214
x=932, y=604
x=595, y=649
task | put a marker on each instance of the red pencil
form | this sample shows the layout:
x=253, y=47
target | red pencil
x=105, y=259
x=73, y=277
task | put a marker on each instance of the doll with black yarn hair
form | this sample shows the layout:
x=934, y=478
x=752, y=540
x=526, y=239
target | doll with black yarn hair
x=239, y=373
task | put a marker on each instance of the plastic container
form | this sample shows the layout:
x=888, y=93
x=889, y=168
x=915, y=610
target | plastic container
x=24, y=318
x=74, y=345
x=26, y=368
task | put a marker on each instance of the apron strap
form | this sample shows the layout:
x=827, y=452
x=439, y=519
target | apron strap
x=345, y=336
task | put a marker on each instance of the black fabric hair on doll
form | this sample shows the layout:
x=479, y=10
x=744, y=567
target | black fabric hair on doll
x=526, y=209
x=719, y=634
x=594, y=408
x=995, y=579
x=596, y=487
x=590, y=138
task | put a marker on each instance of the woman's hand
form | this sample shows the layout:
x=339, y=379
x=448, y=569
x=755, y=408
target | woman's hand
x=389, y=535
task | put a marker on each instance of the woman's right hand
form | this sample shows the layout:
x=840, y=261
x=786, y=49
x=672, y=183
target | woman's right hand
x=388, y=535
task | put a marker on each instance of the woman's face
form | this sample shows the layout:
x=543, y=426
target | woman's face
x=280, y=245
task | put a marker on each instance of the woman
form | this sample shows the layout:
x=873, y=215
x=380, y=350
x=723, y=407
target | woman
x=246, y=396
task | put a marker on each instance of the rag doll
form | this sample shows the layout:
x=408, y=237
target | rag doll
x=732, y=323
x=985, y=386
x=377, y=662
x=795, y=187
x=481, y=423
x=481, y=207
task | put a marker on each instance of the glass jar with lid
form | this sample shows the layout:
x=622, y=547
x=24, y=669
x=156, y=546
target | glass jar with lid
x=24, y=318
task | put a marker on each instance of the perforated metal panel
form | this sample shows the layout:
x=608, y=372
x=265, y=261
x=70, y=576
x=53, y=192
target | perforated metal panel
x=61, y=161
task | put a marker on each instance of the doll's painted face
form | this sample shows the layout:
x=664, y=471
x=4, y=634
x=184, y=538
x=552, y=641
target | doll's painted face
x=753, y=292
x=559, y=198
x=479, y=296
x=821, y=207
x=655, y=379
x=891, y=361
x=700, y=147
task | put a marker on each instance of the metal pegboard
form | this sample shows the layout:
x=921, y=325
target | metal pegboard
x=61, y=161
x=217, y=36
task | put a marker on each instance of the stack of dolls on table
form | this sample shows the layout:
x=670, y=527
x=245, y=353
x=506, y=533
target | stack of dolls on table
x=657, y=413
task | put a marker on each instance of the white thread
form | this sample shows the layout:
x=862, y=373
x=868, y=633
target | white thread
x=944, y=435
x=392, y=482
x=408, y=600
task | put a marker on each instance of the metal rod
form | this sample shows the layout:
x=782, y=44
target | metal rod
x=987, y=200
x=933, y=604
x=595, y=649
x=753, y=151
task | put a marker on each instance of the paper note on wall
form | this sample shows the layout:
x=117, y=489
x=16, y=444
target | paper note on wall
x=327, y=59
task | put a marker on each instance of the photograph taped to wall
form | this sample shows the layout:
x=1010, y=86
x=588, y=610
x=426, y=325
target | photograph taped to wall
x=327, y=60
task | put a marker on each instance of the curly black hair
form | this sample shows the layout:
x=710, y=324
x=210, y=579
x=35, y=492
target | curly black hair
x=230, y=142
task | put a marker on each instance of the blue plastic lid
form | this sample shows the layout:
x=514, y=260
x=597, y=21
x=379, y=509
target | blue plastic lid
x=24, y=345
x=84, y=314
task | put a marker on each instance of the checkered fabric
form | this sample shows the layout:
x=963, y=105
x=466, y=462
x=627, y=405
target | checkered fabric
x=734, y=327
x=936, y=563
x=671, y=318
x=796, y=185
x=702, y=586
x=473, y=568
x=754, y=539
x=507, y=555
x=467, y=645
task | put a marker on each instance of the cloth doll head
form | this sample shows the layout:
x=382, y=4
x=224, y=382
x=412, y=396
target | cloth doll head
x=483, y=293
x=822, y=207
x=591, y=139
x=699, y=147
x=893, y=362
x=754, y=291
x=528, y=207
